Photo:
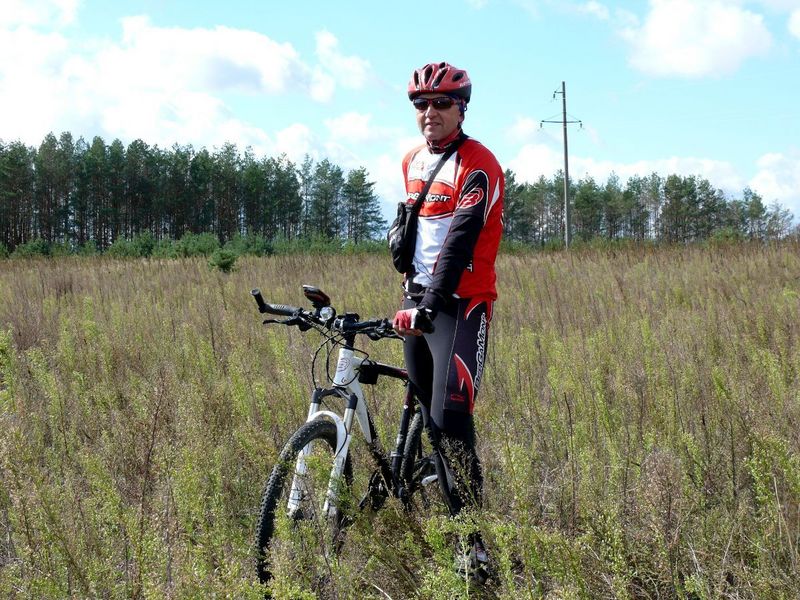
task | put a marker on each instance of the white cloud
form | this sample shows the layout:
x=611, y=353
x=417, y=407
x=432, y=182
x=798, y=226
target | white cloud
x=351, y=127
x=358, y=128
x=159, y=84
x=778, y=178
x=30, y=82
x=295, y=142
x=322, y=85
x=523, y=129
x=211, y=60
x=596, y=9
x=17, y=13
x=794, y=23
x=693, y=39
x=348, y=71
x=535, y=160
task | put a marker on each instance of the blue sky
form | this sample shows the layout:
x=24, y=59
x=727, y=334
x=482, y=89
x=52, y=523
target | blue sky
x=706, y=88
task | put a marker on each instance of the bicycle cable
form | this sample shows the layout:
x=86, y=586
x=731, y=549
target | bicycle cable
x=336, y=340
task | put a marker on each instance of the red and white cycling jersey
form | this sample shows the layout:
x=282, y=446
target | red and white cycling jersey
x=460, y=221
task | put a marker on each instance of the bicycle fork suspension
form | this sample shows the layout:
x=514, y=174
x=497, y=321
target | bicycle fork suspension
x=299, y=490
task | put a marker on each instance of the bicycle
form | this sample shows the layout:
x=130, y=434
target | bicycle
x=308, y=500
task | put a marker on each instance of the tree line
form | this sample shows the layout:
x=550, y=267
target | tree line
x=75, y=193
x=674, y=209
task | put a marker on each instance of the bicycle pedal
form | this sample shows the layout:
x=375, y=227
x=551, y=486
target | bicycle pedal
x=474, y=565
x=376, y=495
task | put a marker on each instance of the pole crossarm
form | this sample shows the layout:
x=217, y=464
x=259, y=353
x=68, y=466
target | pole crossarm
x=560, y=121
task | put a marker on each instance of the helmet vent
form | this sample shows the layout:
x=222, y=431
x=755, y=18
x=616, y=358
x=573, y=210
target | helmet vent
x=439, y=78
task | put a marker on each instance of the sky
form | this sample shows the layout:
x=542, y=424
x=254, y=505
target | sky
x=693, y=87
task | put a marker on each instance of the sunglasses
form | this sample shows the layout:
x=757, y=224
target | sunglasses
x=440, y=103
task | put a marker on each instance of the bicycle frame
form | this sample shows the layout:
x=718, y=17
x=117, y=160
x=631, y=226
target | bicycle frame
x=346, y=385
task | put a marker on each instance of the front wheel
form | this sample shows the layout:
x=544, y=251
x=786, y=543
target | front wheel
x=301, y=539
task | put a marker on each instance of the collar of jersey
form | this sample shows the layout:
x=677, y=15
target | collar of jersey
x=458, y=134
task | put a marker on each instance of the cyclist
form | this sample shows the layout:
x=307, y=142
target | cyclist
x=452, y=280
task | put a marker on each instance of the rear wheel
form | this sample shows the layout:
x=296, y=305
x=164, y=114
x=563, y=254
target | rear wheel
x=419, y=470
x=302, y=543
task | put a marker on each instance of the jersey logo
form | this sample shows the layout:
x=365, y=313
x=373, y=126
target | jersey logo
x=475, y=190
x=471, y=198
x=412, y=196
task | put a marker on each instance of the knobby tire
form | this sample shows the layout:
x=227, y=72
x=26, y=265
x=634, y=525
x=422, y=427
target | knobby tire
x=326, y=531
x=420, y=462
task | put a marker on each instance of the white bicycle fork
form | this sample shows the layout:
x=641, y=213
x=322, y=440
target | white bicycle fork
x=346, y=380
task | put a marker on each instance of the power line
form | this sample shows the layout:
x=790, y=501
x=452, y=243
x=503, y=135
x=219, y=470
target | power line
x=564, y=122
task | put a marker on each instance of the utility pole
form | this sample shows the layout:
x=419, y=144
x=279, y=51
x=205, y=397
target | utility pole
x=564, y=122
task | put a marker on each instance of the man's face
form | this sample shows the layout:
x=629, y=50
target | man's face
x=436, y=124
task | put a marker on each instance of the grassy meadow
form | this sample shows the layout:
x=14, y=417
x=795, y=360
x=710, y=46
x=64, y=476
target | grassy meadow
x=639, y=427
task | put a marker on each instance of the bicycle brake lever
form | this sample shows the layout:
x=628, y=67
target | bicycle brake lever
x=301, y=324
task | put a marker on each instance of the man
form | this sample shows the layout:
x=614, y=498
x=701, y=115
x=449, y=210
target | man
x=451, y=284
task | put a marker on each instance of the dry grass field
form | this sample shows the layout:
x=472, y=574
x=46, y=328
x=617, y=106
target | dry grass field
x=639, y=426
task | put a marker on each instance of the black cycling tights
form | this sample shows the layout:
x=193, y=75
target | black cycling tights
x=446, y=368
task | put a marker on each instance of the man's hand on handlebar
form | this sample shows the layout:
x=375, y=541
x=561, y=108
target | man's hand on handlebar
x=413, y=321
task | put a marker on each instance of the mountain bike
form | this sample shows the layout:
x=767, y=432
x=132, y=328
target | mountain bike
x=310, y=497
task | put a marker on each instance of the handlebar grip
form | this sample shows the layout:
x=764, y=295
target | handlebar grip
x=281, y=309
x=262, y=306
x=275, y=309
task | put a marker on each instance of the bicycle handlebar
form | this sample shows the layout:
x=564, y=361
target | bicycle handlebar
x=348, y=323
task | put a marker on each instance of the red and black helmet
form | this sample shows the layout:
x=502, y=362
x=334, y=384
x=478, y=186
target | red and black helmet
x=440, y=77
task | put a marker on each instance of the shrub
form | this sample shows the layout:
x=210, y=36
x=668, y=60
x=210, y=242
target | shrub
x=33, y=248
x=196, y=244
x=515, y=247
x=553, y=245
x=366, y=247
x=164, y=249
x=223, y=259
x=60, y=249
x=725, y=235
x=252, y=244
x=88, y=249
x=3, y=250
x=121, y=248
x=143, y=244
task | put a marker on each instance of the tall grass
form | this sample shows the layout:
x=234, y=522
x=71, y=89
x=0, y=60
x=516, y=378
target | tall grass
x=638, y=426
